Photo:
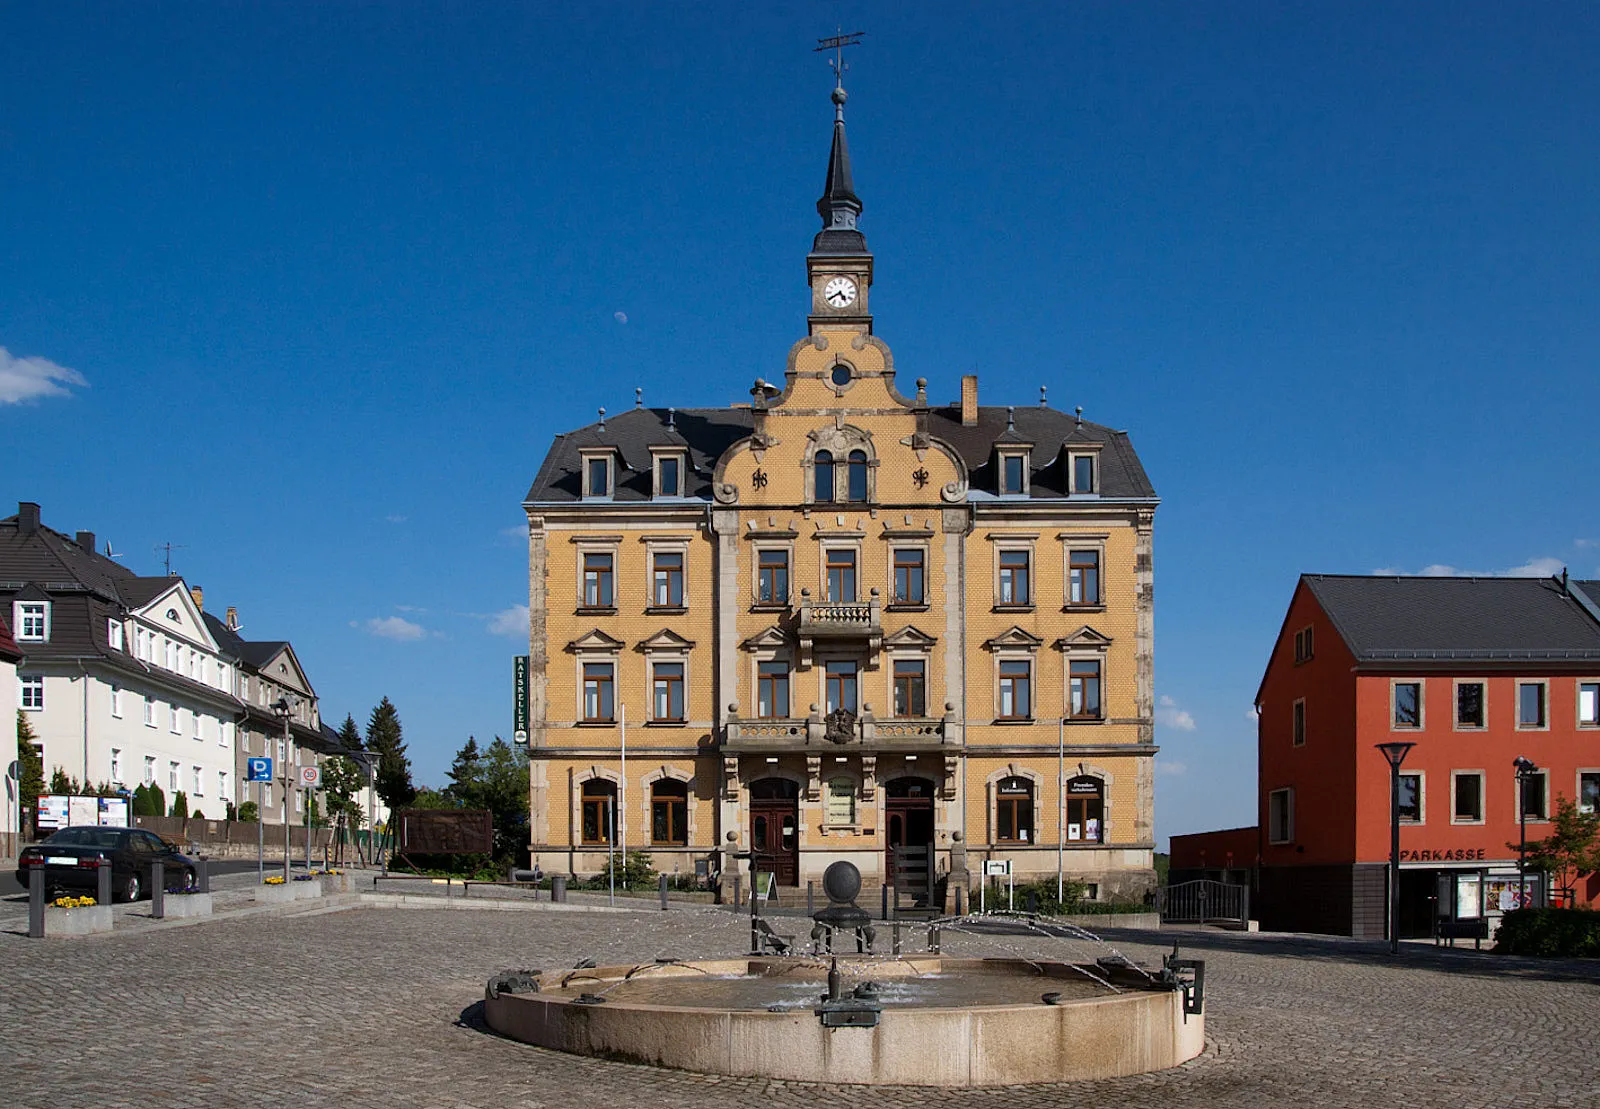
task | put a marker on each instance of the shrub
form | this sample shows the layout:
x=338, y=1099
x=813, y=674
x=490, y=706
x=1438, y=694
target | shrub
x=1550, y=932
x=249, y=813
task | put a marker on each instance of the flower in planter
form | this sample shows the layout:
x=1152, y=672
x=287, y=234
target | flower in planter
x=276, y=880
x=300, y=878
x=73, y=902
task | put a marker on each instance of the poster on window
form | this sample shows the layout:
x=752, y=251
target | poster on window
x=1074, y=831
x=1091, y=829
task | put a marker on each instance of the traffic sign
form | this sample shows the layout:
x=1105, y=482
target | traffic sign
x=311, y=777
x=258, y=769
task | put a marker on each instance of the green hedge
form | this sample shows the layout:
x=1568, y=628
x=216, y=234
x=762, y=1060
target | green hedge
x=1561, y=932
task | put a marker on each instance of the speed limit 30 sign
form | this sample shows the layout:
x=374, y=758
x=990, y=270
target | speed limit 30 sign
x=311, y=777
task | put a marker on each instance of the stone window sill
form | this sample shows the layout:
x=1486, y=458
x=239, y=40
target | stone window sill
x=666, y=610
x=596, y=610
x=908, y=606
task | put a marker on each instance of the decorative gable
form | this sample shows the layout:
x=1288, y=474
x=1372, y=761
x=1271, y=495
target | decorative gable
x=173, y=611
x=910, y=636
x=1014, y=638
x=595, y=641
x=770, y=639
x=666, y=640
x=1084, y=637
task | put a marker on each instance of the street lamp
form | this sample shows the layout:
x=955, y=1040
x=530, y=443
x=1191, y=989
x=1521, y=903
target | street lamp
x=283, y=711
x=1396, y=754
x=1526, y=768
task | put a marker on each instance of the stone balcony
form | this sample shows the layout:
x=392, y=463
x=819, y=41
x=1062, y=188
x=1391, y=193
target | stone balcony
x=842, y=732
x=843, y=622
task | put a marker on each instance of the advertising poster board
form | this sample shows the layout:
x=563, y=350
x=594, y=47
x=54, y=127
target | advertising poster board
x=53, y=811
x=83, y=810
x=113, y=812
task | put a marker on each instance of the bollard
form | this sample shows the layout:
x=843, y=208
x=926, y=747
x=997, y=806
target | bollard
x=1032, y=903
x=811, y=897
x=661, y=881
x=202, y=876
x=884, y=890
x=736, y=901
x=158, y=891
x=36, y=902
x=558, y=888
x=894, y=905
x=102, y=893
x=958, y=902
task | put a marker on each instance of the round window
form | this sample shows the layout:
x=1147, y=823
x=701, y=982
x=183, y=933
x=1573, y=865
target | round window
x=841, y=375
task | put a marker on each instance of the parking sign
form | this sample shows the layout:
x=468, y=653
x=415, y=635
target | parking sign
x=258, y=770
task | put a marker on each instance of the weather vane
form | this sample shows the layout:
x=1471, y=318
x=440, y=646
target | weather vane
x=837, y=44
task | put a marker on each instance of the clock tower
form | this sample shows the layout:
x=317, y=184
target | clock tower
x=839, y=266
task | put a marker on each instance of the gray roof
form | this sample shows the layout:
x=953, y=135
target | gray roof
x=1403, y=619
x=708, y=432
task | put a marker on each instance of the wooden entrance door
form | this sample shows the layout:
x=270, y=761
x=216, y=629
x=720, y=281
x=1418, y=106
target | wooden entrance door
x=908, y=813
x=775, y=828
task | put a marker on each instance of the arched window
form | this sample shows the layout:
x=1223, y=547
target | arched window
x=669, y=812
x=841, y=801
x=857, y=486
x=1014, y=811
x=599, y=810
x=1086, y=810
x=823, y=466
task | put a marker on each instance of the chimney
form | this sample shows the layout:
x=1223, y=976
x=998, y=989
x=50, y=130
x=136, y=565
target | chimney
x=969, y=400
x=27, y=517
x=233, y=619
x=199, y=596
x=86, y=541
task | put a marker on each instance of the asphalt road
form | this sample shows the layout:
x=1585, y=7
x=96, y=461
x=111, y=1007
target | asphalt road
x=10, y=887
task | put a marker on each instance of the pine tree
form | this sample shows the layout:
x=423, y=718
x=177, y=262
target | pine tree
x=385, y=739
x=31, y=781
x=180, y=804
x=466, y=776
x=349, y=734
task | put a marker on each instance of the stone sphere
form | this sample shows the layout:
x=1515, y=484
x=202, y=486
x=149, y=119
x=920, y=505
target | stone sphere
x=841, y=882
x=840, y=96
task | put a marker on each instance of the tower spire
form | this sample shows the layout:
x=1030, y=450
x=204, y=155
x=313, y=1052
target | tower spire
x=839, y=205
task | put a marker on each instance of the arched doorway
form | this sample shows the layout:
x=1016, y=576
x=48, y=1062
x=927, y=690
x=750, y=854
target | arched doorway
x=775, y=828
x=908, y=819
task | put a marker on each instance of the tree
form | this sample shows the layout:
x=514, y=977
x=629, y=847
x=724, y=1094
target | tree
x=62, y=783
x=386, y=740
x=349, y=734
x=1571, y=850
x=180, y=804
x=496, y=779
x=466, y=775
x=249, y=813
x=31, y=782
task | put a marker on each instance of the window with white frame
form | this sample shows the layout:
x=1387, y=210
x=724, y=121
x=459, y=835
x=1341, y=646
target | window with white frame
x=1532, y=705
x=1589, y=704
x=224, y=733
x=149, y=769
x=1280, y=816
x=32, y=692
x=32, y=621
x=172, y=777
x=116, y=700
x=1410, y=799
x=199, y=782
x=116, y=764
x=172, y=720
x=149, y=712
x=1407, y=705
x=114, y=634
x=222, y=784
x=199, y=721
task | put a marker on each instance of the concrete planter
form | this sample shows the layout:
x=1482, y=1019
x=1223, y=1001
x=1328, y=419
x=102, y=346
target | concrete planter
x=289, y=891
x=336, y=883
x=304, y=890
x=181, y=905
x=77, y=922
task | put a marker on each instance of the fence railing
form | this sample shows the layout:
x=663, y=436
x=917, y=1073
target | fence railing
x=1203, y=901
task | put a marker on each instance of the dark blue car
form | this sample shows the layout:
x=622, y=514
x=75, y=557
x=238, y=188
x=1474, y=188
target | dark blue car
x=72, y=858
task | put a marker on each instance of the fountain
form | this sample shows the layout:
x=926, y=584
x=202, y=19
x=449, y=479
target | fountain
x=920, y=1018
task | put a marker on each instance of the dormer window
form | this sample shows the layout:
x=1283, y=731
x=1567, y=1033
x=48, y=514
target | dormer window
x=32, y=621
x=823, y=467
x=598, y=475
x=1085, y=472
x=669, y=472
x=1013, y=473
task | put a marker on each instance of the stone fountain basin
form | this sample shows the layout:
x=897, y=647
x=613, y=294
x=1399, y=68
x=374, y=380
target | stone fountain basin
x=721, y=1023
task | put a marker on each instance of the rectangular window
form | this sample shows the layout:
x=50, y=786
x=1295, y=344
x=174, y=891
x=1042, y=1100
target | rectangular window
x=908, y=576
x=199, y=724
x=598, y=703
x=1530, y=704
x=172, y=720
x=172, y=777
x=910, y=687
x=669, y=813
x=116, y=701
x=1013, y=804
x=149, y=713
x=841, y=686
x=1411, y=798
x=1535, y=803
x=1470, y=705
x=1012, y=468
x=1467, y=806
x=32, y=692
x=1588, y=704
x=598, y=474
x=667, y=698
x=597, y=580
x=199, y=782
x=841, y=575
x=149, y=769
x=1303, y=644
x=116, y=764
x=1083, y=473
x=33, y=621
x=667, y=583
x=114, y=634
x=1083, y=577
x=222, y=784
x=1016, y=692
x=772, y=577
x=1589, y=791
x=599, y=811
x=772, y=690
x=1084, y=688
x=1280, y=816
x=1015, y=587
x=669, y=476
x=1300, y=723
x=840, y=802
x=1407, y=705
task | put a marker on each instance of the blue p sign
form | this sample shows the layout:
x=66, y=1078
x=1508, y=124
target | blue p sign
x=258, y=770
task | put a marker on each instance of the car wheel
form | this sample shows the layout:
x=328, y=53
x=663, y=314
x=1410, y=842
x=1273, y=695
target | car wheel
x=132, y=888
x=188, y=879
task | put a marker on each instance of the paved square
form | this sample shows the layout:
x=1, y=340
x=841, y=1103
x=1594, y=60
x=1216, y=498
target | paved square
x=375, y=1007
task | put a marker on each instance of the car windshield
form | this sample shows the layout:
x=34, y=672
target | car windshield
x=104, y=838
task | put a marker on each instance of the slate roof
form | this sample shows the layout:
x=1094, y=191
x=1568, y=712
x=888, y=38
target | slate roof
x=1404, y=619
x=708, y=432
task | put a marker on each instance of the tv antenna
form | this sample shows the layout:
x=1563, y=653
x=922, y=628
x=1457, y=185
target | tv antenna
x=111, y=553
x=837, y=44
x=165, y=550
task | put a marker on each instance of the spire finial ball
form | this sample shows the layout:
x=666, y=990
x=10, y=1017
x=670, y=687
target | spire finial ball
x=840, y=96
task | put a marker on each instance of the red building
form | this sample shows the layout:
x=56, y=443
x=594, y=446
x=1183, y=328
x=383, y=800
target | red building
x=1475, y=672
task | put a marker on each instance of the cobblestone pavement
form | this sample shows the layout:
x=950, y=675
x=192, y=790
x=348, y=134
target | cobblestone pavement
x=378, y=1007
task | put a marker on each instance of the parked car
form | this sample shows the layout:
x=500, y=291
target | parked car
x=72, y=857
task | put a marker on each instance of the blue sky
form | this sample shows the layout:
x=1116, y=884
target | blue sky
x=307, y=289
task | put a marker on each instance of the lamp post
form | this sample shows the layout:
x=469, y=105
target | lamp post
x=281, y=709
x=1396, y=754
x=1525, y=768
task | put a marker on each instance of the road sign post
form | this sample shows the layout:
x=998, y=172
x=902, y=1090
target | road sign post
x=259, y=771
x=310, y=779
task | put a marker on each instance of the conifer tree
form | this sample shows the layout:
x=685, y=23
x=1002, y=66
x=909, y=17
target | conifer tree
x=30, y=783
x=386, y=740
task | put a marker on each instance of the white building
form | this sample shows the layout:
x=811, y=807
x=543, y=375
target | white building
x=11, y=814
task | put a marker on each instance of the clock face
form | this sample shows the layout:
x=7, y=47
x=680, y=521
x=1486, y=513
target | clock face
x=839, y=292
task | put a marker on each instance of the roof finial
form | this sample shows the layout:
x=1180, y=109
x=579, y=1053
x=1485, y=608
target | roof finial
x=1042, y=402
x=602, y=418
x=1079, y=411
x=672, y=418
x=839, y=206
x=638, y=397
x=1011, y=418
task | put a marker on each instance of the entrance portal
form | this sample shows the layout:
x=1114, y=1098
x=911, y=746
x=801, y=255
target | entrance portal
x=775, y=828
x=908, y=813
